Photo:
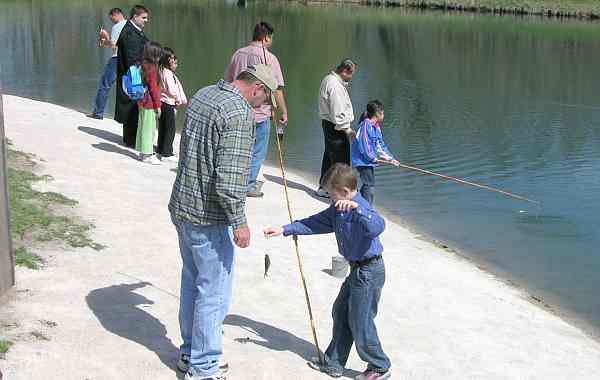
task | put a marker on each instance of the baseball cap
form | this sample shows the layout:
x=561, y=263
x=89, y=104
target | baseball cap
x=264, y=74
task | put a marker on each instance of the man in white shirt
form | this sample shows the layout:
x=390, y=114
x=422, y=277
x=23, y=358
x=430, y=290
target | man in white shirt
x=110, y=70
x=337, y=114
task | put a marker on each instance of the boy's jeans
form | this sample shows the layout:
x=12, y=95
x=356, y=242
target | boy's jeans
x=206, y=284
x=106, y=82
x=259, y=152
x=354, y=311
x=367, y=177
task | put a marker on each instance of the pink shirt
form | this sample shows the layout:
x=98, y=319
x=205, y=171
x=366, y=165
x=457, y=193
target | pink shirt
x=171, y=90
x=254, y=54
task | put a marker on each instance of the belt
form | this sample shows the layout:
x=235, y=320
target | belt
x=362, y=263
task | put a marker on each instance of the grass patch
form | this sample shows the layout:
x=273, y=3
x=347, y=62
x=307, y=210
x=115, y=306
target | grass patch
x=27, y=259
x=35, y=216
x=5, y=346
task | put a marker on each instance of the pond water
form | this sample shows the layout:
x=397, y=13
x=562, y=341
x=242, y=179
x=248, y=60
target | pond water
x=508, y=102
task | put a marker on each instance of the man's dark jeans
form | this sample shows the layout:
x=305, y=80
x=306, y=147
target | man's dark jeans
x=106, y=82
x=367, y=177
x=337, y=147
x=354, y=311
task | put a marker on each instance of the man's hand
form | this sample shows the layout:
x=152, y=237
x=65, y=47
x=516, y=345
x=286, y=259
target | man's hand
x=103, y=37
x=104, y=34
x=345, y=205
x=283, y=120
x=350, y=133
x=241, y=237
x=272, y=231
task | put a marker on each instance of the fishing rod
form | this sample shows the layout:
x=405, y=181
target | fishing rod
x=278, y=136
x=465, y=182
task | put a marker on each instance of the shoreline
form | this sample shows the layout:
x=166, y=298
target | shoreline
x=440, y=315
x=472, y=259
x=543, y=8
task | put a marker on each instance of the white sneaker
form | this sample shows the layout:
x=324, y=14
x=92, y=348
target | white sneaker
x=172, y=158
x=321, y=192
x=190, y=376
x=152, y=160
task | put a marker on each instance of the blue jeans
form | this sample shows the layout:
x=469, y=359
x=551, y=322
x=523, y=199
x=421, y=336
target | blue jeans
x=367, y=177
x=259, y=153
x=109, y=78
x=354, y=312
x=206, y=285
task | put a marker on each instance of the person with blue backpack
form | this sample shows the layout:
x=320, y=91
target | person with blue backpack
x=369, y=149
x=130, y=46
x=149, y=105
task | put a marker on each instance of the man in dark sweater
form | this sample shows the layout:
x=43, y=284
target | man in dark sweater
x=130, y=47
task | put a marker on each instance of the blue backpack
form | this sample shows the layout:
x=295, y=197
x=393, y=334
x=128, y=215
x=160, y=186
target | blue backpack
x=133, y=86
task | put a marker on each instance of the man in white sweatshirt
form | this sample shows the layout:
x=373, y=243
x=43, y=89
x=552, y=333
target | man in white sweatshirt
x=337, y=114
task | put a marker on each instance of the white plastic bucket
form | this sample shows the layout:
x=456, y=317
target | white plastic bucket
x=339, y=267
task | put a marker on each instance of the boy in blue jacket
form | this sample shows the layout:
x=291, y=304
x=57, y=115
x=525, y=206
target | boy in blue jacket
x=357, y=228
x=369, y=149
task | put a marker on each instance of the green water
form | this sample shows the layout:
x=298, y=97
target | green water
x=509, y=102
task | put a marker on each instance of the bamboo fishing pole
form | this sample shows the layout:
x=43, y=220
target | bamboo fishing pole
x=465, y=182
x=294, y=237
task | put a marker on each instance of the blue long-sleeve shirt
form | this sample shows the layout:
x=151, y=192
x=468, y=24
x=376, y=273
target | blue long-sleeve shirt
x=357, y=232
x=369, y=145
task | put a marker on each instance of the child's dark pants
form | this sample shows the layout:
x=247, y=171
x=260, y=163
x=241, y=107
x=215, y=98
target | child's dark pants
x=354, y=311
x=166, y=130
x=367, y=177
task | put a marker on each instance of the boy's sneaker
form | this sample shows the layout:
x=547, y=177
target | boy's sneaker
x=374, y=375
x=183, y=365
x=315, y=363
x=321, y=192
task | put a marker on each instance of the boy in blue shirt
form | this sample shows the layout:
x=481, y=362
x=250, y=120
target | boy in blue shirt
x=369, y=149
x=357, y=228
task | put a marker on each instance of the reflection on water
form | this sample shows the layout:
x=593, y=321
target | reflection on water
x=506, y=102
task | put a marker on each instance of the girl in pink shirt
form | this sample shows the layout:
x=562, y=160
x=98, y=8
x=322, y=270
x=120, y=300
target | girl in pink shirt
x=171, y=96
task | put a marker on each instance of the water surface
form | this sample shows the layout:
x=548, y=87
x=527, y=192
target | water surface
x=509, y=102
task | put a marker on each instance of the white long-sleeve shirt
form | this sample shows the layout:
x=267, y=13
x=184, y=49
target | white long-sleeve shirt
x=334, y=102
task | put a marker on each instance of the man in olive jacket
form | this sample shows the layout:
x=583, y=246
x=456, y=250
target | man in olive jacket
x=130, y=48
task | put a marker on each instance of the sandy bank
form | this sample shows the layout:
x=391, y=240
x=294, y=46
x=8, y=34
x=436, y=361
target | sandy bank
x=116, y=310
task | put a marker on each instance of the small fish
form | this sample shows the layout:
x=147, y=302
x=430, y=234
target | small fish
x=267, y=265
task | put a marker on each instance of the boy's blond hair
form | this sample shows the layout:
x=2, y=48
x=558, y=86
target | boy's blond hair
x=339, y=176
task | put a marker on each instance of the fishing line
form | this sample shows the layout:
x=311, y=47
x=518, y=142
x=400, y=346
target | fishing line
x=465, y=182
